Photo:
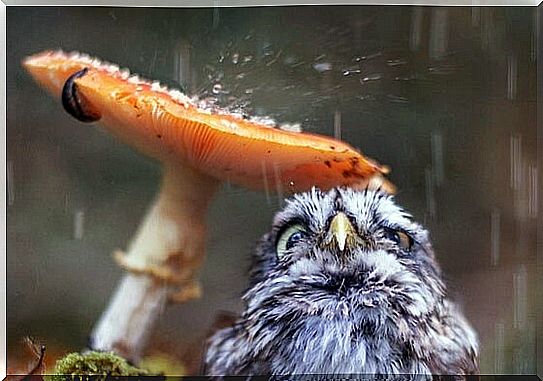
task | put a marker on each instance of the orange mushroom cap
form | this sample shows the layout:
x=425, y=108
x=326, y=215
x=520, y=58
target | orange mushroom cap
x=169, y=126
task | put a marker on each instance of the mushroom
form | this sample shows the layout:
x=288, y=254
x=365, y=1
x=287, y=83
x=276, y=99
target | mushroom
x=199, y=147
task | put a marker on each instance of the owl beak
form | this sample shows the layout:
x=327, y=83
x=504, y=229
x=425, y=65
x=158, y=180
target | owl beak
x=341, y=230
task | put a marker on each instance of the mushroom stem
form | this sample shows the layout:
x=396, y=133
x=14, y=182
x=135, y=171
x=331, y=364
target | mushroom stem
x=162, y=261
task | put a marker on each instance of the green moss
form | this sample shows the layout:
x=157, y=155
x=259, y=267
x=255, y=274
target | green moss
x=94, y=364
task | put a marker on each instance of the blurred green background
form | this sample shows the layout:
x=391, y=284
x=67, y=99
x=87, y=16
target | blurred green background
x=445, y=96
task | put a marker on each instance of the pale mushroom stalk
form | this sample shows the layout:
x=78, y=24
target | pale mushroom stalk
x=199, y=148
x=161, y=260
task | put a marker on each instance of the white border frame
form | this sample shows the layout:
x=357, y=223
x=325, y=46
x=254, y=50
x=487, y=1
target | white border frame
x=3, y=209
x=159, y=3
x=274, y=3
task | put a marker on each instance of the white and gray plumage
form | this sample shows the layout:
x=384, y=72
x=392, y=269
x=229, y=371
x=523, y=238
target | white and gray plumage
x=345, y=283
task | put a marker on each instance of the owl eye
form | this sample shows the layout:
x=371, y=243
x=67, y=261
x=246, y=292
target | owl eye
x=289, y=238
x=400, y=238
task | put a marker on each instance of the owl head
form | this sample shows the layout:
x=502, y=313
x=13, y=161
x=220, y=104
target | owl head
x=345, y=282
x=346, y=252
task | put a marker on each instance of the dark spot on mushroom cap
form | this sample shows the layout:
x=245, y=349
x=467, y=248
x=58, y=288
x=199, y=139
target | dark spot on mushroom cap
x=332, y=147
x=354, y=161
x=346, y=174
x=159, y=136
x=328, y=164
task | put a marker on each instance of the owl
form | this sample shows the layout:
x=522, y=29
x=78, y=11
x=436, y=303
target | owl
x=345, y=283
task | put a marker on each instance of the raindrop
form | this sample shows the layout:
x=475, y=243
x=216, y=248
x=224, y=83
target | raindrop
x=288, y=61
x=499, y=345
x=516, y=161
x=229, y=185
x=475, y=16
x=367, y=97
x=247, y=59
x=321, y=67
x=278, y=185
x=291, y=127
x=430, y=195
x=10, y=183
x=416, y=28
x=442, y=69
x=266, y=185
x=437, y=157
x=396, y=62
x=182, y=63
x=438, y=33
x=264, y=120
x=370, y=78
x=348, y=72
x=152, y=64
x=511, y=77
x=488, y=29
x=526, y=349
x=534, y=39
x=79, y=224
x=368, y=57
x=267, y=47
x=216, y=13
x=405, y=78
x=495, y=237
x=337, y=124
x=533, y=189
x=235, y=58
x=520, y=297
x=397, y=98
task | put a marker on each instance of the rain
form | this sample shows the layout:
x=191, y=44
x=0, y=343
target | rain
x=444, y=96
x=10, y=183
x=79, y=224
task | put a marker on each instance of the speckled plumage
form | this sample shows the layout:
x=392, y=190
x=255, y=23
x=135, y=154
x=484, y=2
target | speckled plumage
x=375, y=307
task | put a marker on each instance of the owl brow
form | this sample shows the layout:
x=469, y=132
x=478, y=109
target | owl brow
x=284, y=224
x=410, y=232
x=382, y=222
